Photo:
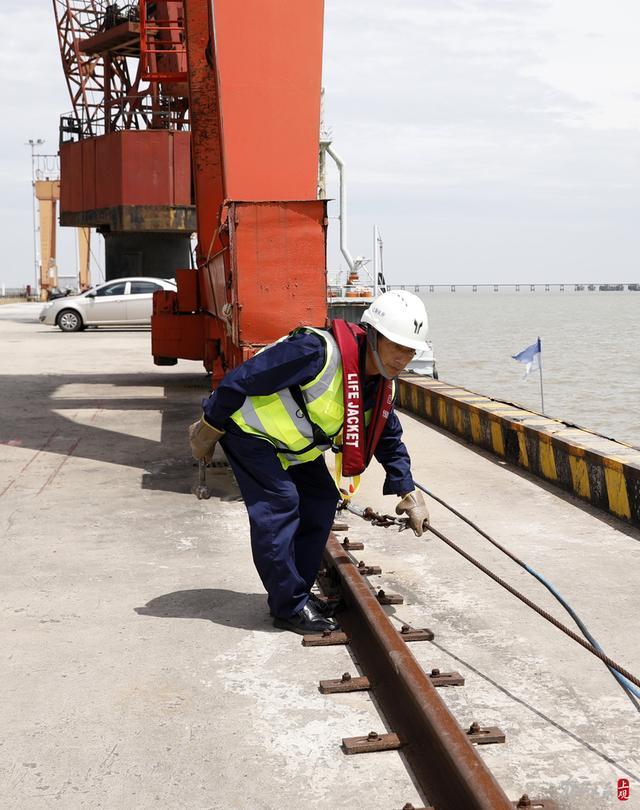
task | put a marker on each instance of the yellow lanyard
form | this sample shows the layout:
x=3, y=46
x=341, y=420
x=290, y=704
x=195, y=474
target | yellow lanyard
x=354, y=482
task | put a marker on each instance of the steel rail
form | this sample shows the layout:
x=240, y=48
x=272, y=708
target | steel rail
x=445, y=765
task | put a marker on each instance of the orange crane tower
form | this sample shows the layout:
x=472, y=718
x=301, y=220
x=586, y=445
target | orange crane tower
x=245, y=78
x=254, y=71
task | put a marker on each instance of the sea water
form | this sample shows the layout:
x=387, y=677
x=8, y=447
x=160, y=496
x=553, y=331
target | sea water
x=590, y=350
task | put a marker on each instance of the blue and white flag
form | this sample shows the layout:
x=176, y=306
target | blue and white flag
x=530, y=356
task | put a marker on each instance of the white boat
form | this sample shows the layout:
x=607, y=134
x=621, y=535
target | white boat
x=424, y=363
x=349, y=302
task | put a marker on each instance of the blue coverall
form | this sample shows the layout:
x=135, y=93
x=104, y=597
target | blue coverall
x=291, y=511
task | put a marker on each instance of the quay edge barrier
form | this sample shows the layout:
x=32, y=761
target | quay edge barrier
x=602, y=471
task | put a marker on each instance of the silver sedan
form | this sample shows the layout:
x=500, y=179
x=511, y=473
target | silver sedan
x=121, y=301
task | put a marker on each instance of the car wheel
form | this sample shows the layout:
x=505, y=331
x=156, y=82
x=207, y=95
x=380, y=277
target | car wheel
x=70, y=321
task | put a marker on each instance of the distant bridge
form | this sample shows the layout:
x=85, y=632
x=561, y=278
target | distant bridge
x=517, y=287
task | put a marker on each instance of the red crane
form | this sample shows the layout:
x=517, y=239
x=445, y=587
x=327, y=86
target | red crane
x=124, y=149
x=253, y=108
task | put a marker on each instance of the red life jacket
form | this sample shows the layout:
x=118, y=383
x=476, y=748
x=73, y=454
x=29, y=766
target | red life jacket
x=358, y=441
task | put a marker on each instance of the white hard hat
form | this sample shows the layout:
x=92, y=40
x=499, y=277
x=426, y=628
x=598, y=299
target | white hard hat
x=400, y=316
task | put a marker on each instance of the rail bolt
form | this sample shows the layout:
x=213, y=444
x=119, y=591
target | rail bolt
x=524, y=801
x=346, y=677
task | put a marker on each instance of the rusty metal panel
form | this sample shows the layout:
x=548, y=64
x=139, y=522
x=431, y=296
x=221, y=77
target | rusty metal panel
x=206, y=133
x=150, y=162
x=182, y=185
x=88, y=177
x=177, y=219
x=131, y=168
x=108, y=171
x=187, y=283
x=279, y=267
x=70, y=177
x=269, y=60
x=176, y=335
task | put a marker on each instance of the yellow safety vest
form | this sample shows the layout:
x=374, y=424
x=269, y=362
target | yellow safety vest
x=278, y=419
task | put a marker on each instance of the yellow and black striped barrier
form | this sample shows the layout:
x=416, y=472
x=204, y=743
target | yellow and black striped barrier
x=599, y=470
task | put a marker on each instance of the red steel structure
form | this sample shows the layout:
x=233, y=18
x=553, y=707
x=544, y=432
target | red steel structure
x=131, y=168
x=254, y=101
x=124, y=149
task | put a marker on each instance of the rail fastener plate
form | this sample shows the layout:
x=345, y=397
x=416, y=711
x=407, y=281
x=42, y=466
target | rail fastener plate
x=345, y=684
x=485, y=736
x=372, y=742
x=416, y=634
x=446, y=678
x=340, y=526
x=368, y=570
x=326, y=639
x=389, y=598
x=409, y=806
x=352, y=545
x=525, y=803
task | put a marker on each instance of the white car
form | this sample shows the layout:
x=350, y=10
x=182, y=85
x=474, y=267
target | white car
x=117, y=302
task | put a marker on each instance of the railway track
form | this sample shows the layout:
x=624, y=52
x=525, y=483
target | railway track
x=439, y=753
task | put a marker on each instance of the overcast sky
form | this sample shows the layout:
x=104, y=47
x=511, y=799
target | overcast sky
x=490, y=140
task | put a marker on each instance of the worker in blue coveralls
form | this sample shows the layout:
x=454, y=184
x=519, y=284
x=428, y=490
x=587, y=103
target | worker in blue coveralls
x=276, y=414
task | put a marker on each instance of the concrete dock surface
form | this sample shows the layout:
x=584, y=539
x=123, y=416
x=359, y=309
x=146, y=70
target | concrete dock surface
x=140, y=668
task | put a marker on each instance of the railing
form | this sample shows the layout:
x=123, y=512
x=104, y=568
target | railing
x=128, y=112
x=114, y=14
x=163, y=48
x=417, y=288
x=360, y=292
x=15, y=292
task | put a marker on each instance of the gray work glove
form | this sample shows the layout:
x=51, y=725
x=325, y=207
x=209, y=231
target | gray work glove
x=203, y=439
x=416, y=510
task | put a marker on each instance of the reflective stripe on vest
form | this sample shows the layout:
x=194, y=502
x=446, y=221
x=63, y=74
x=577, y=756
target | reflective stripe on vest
x=278, y=419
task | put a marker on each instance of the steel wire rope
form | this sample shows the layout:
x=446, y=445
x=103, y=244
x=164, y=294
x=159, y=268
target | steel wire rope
x=591, y=645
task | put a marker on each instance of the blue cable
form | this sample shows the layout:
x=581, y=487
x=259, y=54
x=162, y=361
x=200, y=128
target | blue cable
x=631, y=690
x=624, y=682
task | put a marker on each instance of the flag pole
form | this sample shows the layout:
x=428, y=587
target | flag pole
x=540, y=369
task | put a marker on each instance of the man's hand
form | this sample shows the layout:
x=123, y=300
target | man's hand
x=416, y=510
x=203, y=439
